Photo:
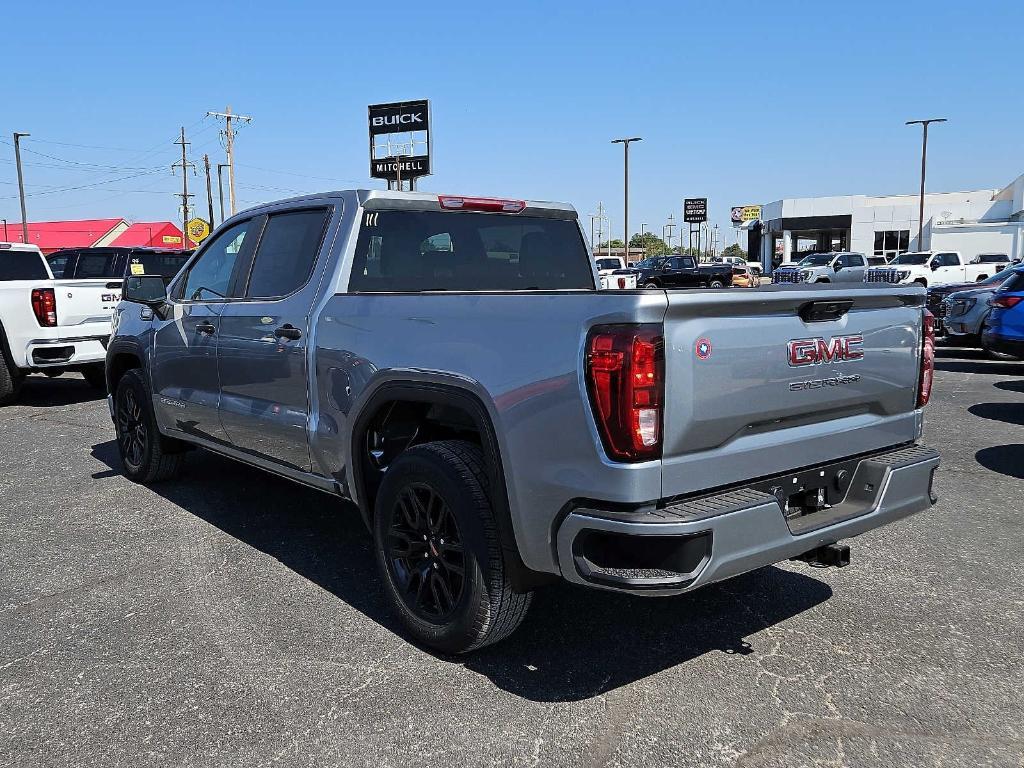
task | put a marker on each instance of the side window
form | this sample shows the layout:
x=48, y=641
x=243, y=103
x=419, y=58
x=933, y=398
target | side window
x=286, y=253
x=948, y=260
x=686, y=262
x=209, y=278
x=92, y=265
x=856, y=260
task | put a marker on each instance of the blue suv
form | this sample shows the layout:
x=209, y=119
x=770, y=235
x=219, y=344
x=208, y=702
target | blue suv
x=1004, y=332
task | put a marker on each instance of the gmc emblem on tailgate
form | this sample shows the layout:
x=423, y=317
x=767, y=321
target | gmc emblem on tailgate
x=838, y=349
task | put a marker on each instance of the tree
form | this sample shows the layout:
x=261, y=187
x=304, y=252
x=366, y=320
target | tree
x=734, y=250
x=616, y=243
x=650, y=242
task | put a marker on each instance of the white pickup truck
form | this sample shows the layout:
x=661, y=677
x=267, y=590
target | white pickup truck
x=613, y=273
x=929, y=268
x=55, y=311
x=35, y=332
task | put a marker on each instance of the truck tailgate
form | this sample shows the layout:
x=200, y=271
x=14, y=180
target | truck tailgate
x=85, y=307
x=743, y=403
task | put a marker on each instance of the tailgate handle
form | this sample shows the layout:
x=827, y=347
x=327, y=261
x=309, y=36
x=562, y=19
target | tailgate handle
x=114, y=285
x=822, y=311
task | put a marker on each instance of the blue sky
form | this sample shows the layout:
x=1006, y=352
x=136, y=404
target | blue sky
x=739, y=103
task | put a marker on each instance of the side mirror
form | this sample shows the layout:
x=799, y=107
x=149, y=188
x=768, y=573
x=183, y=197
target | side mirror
x=144, y=289
x=934, y=265
x=836, y=266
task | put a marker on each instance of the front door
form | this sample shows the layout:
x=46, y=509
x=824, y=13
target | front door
x=186, y=384
x=262, y=347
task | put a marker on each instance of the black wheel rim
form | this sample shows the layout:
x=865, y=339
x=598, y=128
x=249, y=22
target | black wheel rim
x=131, y=428
x=425, y=553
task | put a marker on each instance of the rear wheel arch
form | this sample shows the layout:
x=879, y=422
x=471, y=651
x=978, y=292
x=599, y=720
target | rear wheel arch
x=437, y=411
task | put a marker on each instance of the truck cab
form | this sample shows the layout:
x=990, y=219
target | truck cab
x=929, y=268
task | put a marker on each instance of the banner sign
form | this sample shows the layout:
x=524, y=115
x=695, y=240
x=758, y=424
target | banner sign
x=695, y=210
x=399, y=140
x=741, y=214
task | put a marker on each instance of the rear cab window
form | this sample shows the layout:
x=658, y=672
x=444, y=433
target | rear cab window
x=411, y=251
x=166, y=264
x=95, y=265
x=21, y=265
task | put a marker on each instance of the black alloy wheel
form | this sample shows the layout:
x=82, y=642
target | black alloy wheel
x=132, y=434
x=425, y=553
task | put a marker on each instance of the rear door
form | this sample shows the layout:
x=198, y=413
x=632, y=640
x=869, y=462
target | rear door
x=950, y=269
x=853, y=268
x=753, y=389
x=264, y=405
x=186, y=385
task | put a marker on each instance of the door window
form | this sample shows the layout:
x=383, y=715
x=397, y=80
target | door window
x=854, y=260
x=286, y=253
x=947, y=260
x=92, y=265
x=209, y=278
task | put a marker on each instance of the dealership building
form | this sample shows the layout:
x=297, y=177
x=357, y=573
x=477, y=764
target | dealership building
x=981, y=221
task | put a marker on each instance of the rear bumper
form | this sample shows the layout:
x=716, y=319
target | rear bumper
x=61, y=353
x=701, y=541
x=1005, y=345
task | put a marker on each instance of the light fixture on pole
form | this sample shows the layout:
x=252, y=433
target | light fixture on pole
x=625, y=204
x=924, y=164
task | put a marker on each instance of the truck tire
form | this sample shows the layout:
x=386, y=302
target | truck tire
x=10, y=381
x=146, y=455
x=96, y=376
x=716, y=284
x=437, y=549
x=651, y=284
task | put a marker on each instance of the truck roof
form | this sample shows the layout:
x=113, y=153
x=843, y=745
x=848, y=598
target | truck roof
x=381, y=199
x=19, y=247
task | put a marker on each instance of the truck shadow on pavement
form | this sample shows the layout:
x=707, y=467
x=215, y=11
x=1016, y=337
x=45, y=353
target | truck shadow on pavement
x=974, y=361
x=1006, y=459
x=575, y=643
x=44, y=392
x=1010, y=385
x=1008, y=413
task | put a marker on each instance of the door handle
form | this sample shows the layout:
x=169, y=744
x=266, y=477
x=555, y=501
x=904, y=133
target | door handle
x=205, y=328
x=288, y=331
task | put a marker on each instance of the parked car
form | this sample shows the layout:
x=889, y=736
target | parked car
x=501, y=424
x=744, y=277
x=928, y=269
x=832, y=267
x=998, y=260
x=1004, y=329
x=680, y=272
x=966, y=315
x=40, y=332
x=937, y=295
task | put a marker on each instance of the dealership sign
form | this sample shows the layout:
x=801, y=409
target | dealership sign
x=695, y=210
x=741, y=214
x=399, y=140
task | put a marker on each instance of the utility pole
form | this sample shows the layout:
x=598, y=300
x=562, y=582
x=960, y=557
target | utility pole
x=669, y=226
x=924, y=163
x=209, y=191
x=6, y=240
x=185, y=165
x=21, y=185
x=625, y=192
x=229, y=137
x=220, y=188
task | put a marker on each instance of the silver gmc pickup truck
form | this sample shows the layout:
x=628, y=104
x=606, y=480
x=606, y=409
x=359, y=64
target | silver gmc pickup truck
x=449, y=364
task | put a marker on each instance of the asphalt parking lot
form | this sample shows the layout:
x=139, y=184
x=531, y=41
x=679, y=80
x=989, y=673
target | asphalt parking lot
x=234, y=619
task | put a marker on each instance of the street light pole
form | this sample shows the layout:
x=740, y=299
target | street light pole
x=625, y=206
x=21, y=185
x=924, y=164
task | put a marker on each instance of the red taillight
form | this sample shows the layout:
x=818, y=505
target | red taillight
x=924, y=388
x=622, y=282
x=1005, y=302
x=490, y=204
x=626, y=381
x=44, y=306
